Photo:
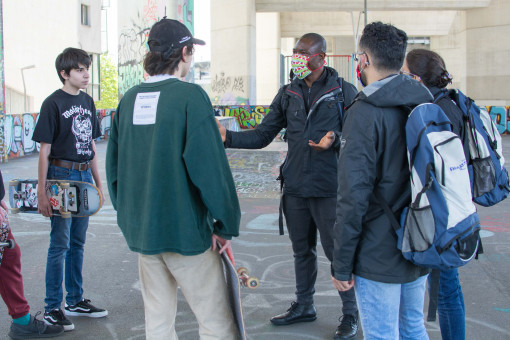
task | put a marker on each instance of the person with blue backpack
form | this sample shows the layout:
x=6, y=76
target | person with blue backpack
x=373, y=159
x=429, y=68
x=488, y=178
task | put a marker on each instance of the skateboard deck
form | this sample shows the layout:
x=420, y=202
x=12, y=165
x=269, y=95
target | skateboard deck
x=67, y=198
x=4, y=242
x=235, y=279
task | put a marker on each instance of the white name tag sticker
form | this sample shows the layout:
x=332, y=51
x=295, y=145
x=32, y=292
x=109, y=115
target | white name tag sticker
x=146, y=105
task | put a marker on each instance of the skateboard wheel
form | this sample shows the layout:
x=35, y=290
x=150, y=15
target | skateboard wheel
x=241, y=271
x=64, y=185
x=11, y=244
x=13, y=183
x=252, y=283
x=65, y=214
x=14, y=210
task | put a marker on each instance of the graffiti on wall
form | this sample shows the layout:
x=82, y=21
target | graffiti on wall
x=132, y=48
x=247, y=116
x=185, y=13
x=133, y=44
x=501, y=116
x=226, y=90
x=134, y=36
x=17, y=131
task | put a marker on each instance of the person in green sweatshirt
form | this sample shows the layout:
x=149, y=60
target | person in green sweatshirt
x=169, y=180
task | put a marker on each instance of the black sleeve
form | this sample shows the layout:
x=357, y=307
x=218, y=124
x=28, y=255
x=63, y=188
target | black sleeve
x=357, y=174
x=265, y=132
x=96, y=129
x=46, y=127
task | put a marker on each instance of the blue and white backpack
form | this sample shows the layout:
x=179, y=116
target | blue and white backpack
x=440, y=228
x=489, y=178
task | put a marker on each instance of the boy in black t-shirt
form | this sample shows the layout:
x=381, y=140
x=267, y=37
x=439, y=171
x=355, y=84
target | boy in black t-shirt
x=66, y=129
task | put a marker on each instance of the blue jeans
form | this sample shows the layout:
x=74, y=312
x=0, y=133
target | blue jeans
x=450, y=306
x=67, y=238
x=391, y=311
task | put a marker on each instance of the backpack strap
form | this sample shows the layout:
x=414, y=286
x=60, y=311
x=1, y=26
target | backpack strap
x=387, y=210
x=442, y=95
x=341, y=102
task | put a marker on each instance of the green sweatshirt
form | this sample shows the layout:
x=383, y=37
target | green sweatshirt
x=169, y=179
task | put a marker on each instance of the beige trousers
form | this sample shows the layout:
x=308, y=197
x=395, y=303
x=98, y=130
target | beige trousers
x=201, y=280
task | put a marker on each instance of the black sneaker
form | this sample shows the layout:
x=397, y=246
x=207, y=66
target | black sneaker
x=84, y=308
x=35, y=329
x=348, y=327
x=57, y=317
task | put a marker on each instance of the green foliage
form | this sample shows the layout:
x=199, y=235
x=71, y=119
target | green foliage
x=109, y=84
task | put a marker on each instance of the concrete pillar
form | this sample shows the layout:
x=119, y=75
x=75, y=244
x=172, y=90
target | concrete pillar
x=233, y=59
x=488, y=53
x=452, y=48
x=341, y=49
x=268, y=57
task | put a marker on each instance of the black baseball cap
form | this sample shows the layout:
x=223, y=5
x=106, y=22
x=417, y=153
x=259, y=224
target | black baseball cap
x=168, y=34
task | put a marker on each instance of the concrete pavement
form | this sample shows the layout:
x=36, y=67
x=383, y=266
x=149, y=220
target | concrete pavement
x=111, y=274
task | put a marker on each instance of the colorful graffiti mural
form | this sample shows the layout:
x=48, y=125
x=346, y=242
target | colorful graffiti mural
x=501, y=116
x=17, y=131
x=247, y=116
x=134, y=35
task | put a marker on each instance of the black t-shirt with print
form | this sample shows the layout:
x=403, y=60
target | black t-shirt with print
x=69, y=123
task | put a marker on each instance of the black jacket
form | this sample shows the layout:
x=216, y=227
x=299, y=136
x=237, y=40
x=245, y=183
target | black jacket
x=373, y=157
x=307, y=173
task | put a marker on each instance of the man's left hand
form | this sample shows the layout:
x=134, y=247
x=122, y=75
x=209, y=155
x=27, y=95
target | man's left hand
x=325, y=142
x=342, y=286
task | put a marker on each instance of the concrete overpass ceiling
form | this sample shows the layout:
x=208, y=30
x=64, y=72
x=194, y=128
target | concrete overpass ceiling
x=415, y=23
x=373, y=5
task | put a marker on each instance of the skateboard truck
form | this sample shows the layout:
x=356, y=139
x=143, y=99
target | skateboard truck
x=9, y=244
x=246, y=280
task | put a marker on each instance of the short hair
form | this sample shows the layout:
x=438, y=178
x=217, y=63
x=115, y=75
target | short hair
x=318, y=41
x=156, y=63
x=386, y=44
x=429, y=66
x=70, y=59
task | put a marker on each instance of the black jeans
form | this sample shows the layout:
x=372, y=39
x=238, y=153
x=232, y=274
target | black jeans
x=304, y=217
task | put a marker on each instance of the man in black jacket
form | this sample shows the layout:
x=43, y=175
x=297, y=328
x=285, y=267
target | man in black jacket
x=310, y=108
x=389, y=289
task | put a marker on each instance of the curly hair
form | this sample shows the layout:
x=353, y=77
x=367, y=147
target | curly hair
x=386, y=45
x=164, y=62
x=429, y=66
